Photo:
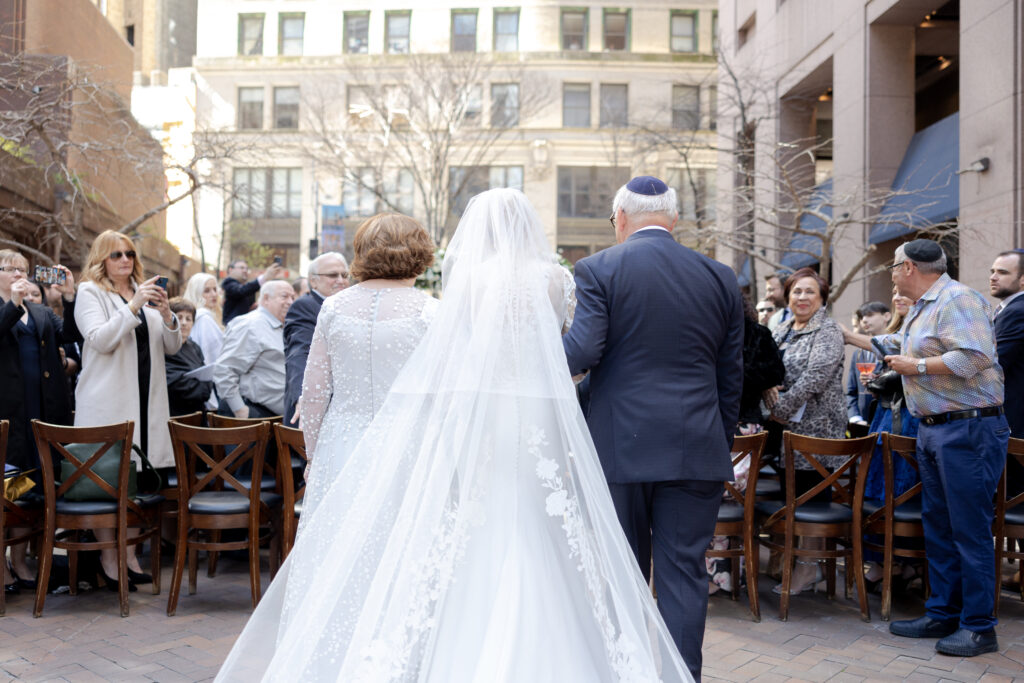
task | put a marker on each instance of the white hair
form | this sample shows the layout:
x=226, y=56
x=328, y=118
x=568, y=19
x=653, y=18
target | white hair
x=194, y=289
x=936, y=267
x=634, y=204
x=268, y=287
x=314, y=266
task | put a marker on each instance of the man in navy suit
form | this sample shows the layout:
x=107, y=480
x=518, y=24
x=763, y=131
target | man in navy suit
x=239, y=292
x=660, y=328
x=328, y=274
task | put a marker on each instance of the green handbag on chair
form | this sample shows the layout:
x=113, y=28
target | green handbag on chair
x=106, y=468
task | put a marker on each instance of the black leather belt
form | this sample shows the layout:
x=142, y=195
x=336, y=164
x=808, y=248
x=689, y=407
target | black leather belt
x=943, y=418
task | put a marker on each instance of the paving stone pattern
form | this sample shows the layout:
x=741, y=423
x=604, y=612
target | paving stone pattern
x=81, y=638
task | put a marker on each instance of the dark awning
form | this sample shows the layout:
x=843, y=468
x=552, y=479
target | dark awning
x=927, y=176
x=805, y=250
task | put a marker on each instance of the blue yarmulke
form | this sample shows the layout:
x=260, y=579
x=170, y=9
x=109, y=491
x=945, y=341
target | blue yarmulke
x=648, y=185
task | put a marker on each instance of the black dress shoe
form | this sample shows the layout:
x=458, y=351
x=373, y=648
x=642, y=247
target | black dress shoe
x=924, y=627
x=139, y=577
x=966, y=643
x=27, y=584
x=12, y=588
x=112, y=584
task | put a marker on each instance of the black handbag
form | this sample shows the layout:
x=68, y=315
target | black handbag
x=106, y=468
x=886, y=384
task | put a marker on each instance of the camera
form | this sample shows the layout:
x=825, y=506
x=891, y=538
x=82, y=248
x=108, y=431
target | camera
x=50, y=276
x=278, y=261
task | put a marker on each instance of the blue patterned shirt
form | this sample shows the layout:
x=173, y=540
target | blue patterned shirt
x=953, y=321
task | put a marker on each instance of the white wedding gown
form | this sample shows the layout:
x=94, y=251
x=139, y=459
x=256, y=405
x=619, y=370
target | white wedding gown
x=470, y=536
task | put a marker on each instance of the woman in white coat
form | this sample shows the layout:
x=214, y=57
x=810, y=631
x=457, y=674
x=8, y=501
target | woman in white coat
x=208, y=331
x=128, y=326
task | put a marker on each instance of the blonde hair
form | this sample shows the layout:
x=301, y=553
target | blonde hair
x=107, y=242
x=10, y=256
x=194, y=295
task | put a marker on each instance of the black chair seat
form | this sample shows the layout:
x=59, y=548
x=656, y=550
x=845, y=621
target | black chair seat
x=909, y=512
x=298, y=463
x=769, y=488
x=267, y=482
x=1015, y=516
x=813, y=513
x=298, y=507
x=730, y=512
x=102, y=507
x=227, y=502
x=171, y=480
x=30, y=500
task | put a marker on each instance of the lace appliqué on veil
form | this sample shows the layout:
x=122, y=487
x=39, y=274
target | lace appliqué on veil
x=561, y=503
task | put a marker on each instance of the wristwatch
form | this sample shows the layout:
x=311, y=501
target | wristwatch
x=922, y=366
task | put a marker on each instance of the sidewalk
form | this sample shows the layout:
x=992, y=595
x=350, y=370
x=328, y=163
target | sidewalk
x=82, y=638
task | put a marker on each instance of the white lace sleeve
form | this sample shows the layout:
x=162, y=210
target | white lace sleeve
x=569, y=299
x=317, y=382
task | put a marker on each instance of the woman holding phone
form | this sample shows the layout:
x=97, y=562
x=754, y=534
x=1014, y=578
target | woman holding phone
x=128, y=327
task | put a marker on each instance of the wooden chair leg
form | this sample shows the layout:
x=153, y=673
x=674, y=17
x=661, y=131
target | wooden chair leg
x=73, y=565
x=212, y=555
x=734, y=569
x=122, y=565
x=787, y=577
x=193, y=570
x=751, y=549
x=45, y=563
x=254, y=558
x=154, y=555
x=180, y=548
x=830, y=570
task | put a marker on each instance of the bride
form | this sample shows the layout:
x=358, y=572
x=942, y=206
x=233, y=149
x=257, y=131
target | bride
x=470, y=535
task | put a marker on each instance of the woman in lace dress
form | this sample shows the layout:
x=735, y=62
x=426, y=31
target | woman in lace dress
x=470, y=536
x=363, y=337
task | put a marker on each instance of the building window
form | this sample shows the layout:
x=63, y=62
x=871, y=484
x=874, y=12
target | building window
x=714, y=30
x=286, y=107
x=396, y=32
x=616, y=30
x=474, y=104
x=463, y=30
x=574, y=29
x=506, y=30
x=695, y=190
x=250, y=34
x=252, y=186
x=465, y=182
x=685, y=107
x=250, y=108
x=359, y=104
x=587, y=191
x=129, y=34
x=360, y=197
x=505, y=105
x=712, y=94
x=506, y=176
x=291, y=28
x=576, y=105
x=614, y=105
x=398, y=190
x=684, y=32
x=357, y=32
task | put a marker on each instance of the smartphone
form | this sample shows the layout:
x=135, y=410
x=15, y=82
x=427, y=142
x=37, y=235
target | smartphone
x=49, y=276
x=278, y=261
x=161, y=282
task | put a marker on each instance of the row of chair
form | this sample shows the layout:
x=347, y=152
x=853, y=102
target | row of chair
x=219, y=462
x=762, y=515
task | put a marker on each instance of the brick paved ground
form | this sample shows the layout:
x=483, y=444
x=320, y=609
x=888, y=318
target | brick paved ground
x=82, y=638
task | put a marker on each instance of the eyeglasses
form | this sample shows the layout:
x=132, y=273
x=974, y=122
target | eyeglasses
x=14, y=269
x=895, y=266
x=331, y=276
x=118, y=255
x=611, y=219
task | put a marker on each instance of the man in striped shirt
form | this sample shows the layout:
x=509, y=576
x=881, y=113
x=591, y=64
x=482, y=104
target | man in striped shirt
x=946, y=353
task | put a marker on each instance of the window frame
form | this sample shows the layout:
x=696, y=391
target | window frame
x=239, y=116
x=476, y=28
x=590, y=118
x=242, y=18
x=267, y=194
x=597, y=203
x=611, y=11
x=585, y=44
x=346, y=34
x=609, y=122
x=695, y=37
x=390, y=14
x=505, y=123
x=693, y=113
x=504, y=11
x=277, y=106
x=360, y=187
x=281, y=19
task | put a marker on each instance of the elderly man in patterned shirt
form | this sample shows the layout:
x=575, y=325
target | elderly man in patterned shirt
x=946, y=353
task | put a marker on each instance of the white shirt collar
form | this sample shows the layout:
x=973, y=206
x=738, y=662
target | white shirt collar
x=1005, y=302
x=653, y=227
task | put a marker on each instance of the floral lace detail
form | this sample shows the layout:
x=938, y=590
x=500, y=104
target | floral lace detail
x=622, y=650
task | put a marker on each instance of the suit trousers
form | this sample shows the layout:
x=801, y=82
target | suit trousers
x=960, y=463
x=674, y=521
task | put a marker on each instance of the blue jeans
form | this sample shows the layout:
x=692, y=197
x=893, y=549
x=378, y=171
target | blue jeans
x=961, y=462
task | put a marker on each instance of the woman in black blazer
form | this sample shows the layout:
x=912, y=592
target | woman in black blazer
x=32, y=374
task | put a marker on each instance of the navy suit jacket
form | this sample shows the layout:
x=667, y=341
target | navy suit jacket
x=660, y=328
x=299, y=324
x=1009, y=327
x=238, y=297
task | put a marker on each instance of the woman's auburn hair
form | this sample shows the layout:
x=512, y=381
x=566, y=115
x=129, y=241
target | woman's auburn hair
x=391, y=246
x=109, y=241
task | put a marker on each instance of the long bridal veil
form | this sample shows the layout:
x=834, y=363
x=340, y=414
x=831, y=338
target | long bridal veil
x=471, y=535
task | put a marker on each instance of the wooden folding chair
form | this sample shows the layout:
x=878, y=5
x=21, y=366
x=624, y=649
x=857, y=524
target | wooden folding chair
x=736, y=519
x=1008, y=524
x=839, y=520
x=25, y=513
x=119, y=512
x=291, y=453
x=215, y=499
